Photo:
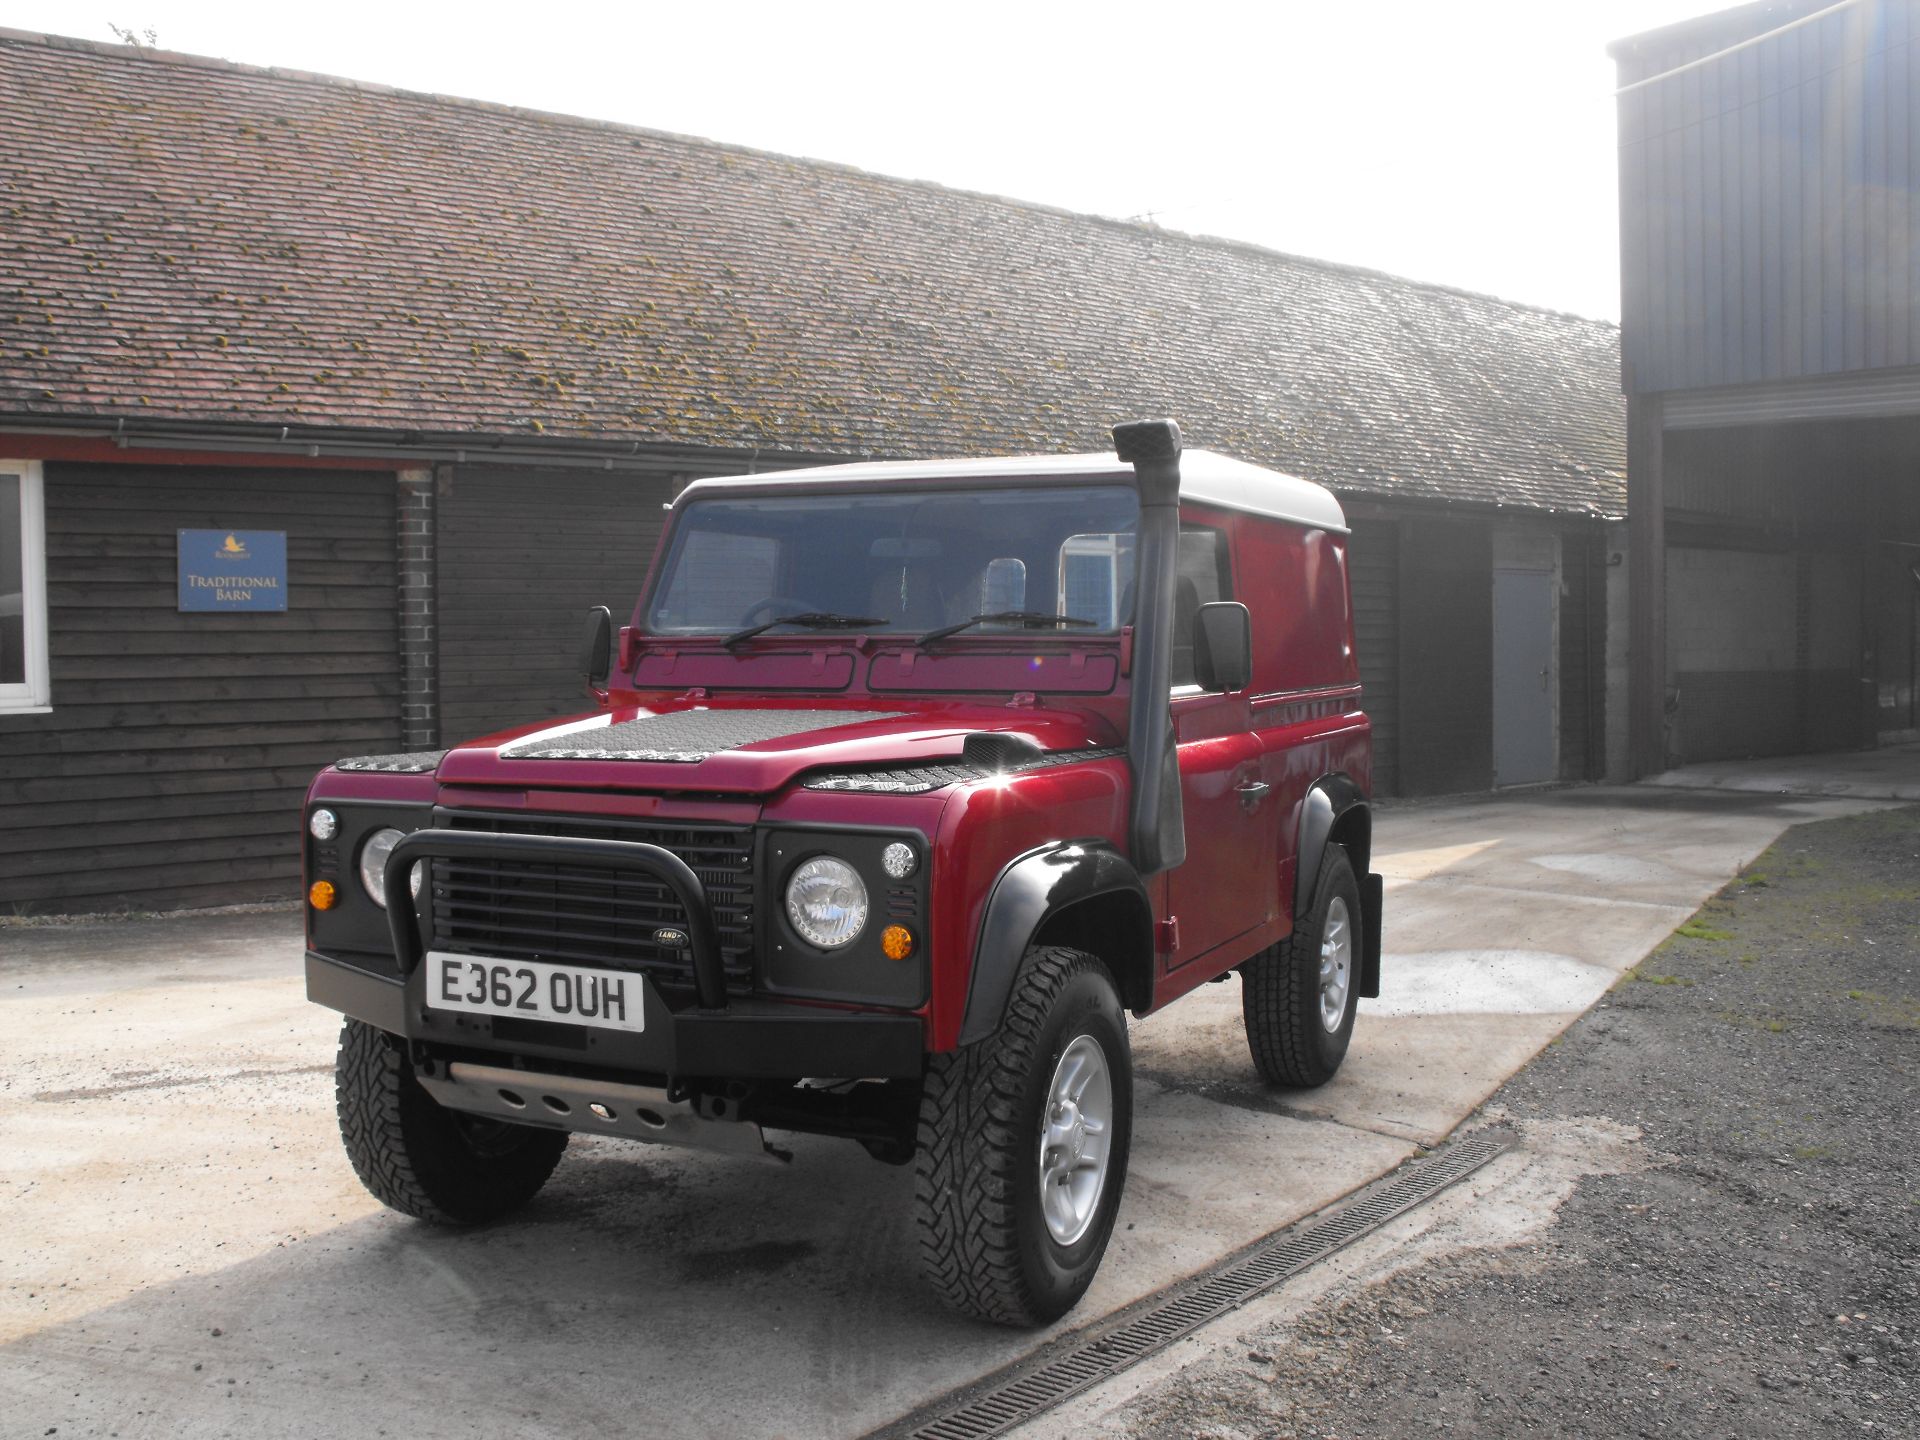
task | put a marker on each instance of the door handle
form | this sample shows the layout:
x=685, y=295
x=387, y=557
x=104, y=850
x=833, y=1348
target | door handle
x=1251, y=794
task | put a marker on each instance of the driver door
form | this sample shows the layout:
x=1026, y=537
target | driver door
x=1227, y=887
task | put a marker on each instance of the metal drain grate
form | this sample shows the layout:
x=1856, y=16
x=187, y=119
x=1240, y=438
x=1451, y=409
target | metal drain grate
x=1030, y=1387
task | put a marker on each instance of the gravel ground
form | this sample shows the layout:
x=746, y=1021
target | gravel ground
x=1755, y=1272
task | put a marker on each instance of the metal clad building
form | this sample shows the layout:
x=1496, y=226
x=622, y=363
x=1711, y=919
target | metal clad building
x=1770, y=203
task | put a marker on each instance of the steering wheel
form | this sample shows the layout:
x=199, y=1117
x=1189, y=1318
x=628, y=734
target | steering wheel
x=771, y=606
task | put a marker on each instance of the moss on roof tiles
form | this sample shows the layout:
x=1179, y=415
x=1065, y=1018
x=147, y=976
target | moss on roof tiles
x=814, y=306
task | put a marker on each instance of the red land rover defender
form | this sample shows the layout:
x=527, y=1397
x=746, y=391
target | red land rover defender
x=904, y=784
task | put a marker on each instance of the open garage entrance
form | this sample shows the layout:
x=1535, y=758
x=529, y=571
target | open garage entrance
x=1792, y=586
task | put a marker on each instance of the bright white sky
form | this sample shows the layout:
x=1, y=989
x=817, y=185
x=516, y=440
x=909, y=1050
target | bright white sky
x=1468, y=143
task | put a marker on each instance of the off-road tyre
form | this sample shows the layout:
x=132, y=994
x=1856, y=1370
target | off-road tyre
x=1280, y=988
x=421, y=1159
x=985, y=1246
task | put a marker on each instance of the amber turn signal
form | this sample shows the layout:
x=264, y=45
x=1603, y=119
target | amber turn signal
x=321, y=895
x=897, y=942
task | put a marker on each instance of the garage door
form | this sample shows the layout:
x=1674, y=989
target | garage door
x=523, y=555
x=172, y=768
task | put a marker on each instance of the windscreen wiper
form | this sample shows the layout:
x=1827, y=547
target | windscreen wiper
x=1032, y=619
x=811, y=619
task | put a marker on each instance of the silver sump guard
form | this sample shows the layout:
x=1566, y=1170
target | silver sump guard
x=592, y=1107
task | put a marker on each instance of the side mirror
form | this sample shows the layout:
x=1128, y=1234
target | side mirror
x=596, y=650
x=1223, y=647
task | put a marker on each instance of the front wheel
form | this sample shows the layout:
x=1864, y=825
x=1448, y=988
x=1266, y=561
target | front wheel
x=424, y=1160
x=1022, y=1147
x=1299, y=996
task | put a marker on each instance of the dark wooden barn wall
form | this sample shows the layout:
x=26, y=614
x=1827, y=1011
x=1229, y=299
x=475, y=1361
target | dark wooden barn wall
x=1583, y=653
x=523, y=555
x=1446, y=656
x=1768, y=202
x=172, y=768
x=1375, y=576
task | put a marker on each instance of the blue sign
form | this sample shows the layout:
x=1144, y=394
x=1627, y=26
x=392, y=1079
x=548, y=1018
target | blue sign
x=233, y=569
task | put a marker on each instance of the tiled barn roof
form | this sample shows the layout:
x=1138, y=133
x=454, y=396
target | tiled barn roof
x=190, y=240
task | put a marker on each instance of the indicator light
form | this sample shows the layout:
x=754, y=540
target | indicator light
x=321, y=895
x=896, y=941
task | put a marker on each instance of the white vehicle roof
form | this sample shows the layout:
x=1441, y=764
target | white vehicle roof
x=1205, y=477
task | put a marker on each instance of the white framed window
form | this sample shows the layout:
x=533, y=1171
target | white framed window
x=23, y=589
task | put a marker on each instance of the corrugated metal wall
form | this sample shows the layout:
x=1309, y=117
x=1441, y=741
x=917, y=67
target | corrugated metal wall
x=1769, y=201
x=172, y=767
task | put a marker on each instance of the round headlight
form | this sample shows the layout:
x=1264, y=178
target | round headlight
x=898, y=860
x=827, y=902
x=323, y=824
x=373, y=866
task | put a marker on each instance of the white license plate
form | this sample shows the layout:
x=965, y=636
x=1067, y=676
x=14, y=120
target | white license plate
x=534, y=990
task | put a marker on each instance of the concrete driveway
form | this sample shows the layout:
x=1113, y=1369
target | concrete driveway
x=188, y=1253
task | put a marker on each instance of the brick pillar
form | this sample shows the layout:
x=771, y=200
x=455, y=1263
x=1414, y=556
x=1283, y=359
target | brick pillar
x=419, y=642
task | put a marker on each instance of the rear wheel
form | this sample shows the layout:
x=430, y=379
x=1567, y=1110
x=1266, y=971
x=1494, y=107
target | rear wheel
x=1022, y=1151
x=1299, y=996
x=420, y=1158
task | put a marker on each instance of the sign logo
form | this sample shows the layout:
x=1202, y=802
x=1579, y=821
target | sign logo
x=670, y=938
x=226, y=570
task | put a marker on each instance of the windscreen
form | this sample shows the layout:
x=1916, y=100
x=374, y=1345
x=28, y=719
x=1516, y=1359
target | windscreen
x=908, y=561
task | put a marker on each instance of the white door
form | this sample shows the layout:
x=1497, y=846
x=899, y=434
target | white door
x=1523, y=677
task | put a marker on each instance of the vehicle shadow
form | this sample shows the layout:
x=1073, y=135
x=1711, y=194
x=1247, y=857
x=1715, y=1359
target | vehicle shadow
x=642, y=1293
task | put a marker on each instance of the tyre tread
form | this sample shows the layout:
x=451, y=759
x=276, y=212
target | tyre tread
x=968, y=1143
x=406, y=1161
x=1280, y=1000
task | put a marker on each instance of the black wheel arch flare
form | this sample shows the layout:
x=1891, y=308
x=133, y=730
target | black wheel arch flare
x=1336, y=812
x=1048, y=895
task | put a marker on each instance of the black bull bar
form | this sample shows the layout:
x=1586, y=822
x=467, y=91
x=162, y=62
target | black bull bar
x=709, y=976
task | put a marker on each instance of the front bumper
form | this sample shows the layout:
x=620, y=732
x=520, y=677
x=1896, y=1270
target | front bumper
x=719, y=1037
x=749, y=1040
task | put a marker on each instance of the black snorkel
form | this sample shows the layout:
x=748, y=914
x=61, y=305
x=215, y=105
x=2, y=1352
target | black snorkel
x=1156, y=830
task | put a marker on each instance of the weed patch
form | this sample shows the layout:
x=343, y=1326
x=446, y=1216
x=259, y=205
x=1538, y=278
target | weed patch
x=1700, y=930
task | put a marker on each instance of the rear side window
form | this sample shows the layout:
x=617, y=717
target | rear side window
x=1202, y=575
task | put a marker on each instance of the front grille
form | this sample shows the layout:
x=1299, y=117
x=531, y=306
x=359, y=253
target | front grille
x=589, y=914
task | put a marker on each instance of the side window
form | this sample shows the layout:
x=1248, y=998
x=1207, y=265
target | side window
x=1202, y=576
x=23, y=589
x=721, y=575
